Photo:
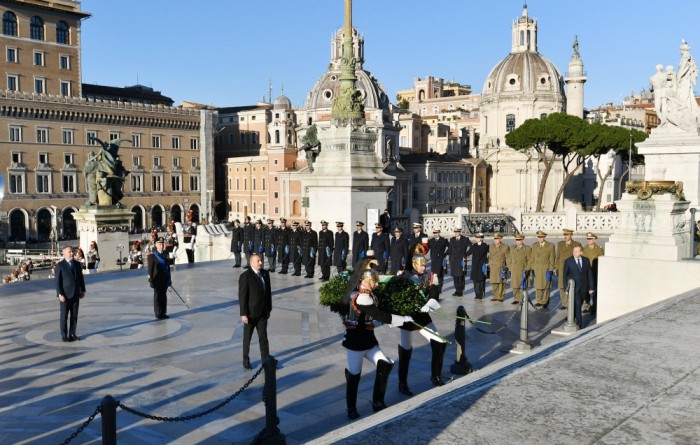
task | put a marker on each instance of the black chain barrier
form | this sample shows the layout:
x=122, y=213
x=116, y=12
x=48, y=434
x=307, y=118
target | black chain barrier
x=83, y=426
x=192, y=416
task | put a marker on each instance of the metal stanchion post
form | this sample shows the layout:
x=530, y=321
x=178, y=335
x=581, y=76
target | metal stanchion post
x=693, y=229
x=570, y=326
x=109, y=420
x=271, y=434
x=461, y=366
x=523, y=344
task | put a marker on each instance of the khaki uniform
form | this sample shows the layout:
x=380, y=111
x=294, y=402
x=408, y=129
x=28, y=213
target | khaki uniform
x=542, y=260
x=564, y=251
x=518, y=261
x=497, y=260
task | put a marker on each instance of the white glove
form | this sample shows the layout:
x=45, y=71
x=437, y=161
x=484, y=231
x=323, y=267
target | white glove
x=398, y=320
x=431, y=305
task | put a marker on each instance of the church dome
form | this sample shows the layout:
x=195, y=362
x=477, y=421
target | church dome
x=525, y=72
x=282, y=103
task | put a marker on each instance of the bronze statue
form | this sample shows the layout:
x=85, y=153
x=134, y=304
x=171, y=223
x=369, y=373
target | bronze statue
x=105, y=174
x=312, y=146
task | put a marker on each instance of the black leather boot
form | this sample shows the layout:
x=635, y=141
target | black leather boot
x=436, y=362
x=380, y=381
x=353, y=382
x=404, y=361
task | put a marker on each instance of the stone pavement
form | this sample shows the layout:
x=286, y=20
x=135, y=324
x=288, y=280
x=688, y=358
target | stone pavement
x=192, y=362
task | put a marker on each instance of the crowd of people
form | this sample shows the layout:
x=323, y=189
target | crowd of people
x=21, y=273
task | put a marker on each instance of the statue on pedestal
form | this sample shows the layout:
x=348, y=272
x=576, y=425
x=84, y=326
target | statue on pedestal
x=312, y=146
x=105, y=174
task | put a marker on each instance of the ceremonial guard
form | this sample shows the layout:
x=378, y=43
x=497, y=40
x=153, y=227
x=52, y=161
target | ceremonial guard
x=360, y=341
x=237, y=242
x=498, y=253
x=282, y=245
x=565, y=249
x=269, y=246
x=398, y=256
x=136, y=256
x=479, y=252
x=342, y=247
x=417, y=237
x=518, y=262
x=248, y=231
x=458, y=260
x=592, y=251
x=325, y=251
x=380, y=245
x=295, y=248
x=360, y=243
x=258, y=238
x=542, y=264
x=171, y=242
x=428, y=283
x=189, y=236
x=438, y=247
x=309, y=249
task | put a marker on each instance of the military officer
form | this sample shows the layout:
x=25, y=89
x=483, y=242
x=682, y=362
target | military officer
x=458, y=260
x=342, y=247
x=592, y=251
x=542, y=264
x=438, y=247
x=282, y=245
x=479, y=252
x=237, y=242
x=295, y=248
x=258, y=233
x=498, y=254
x=565, y=249
x=417, y=237
x=360, y=243
x=399, y=252
x=380, y=245
x=325, y=250
x=269, y=245
x=518, y=262
x=309, y=249
x=248, y=231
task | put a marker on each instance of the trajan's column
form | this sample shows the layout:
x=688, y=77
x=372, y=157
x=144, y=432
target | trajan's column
x=347, y=182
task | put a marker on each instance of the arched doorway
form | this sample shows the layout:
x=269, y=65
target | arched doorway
x=18, y=225
x=43, y=225
x=176, y=213
x=194, y=208
x=70, y=230
x=157, y=216
x=138, y=218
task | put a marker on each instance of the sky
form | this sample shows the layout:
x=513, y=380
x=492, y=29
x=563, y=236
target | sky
x=226, y=52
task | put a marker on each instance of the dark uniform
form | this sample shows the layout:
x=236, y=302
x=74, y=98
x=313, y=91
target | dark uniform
x=270, y=246
x=295, y=248
x=458, y=260
x=342, y=246
x=360, y=244
x=237, y=242
x=480, y=255
x=282, y=245
x=398, y=252
x=325, y=250
x=248, y=231
x=380, y=245
x=309, y=249
x=438, y=247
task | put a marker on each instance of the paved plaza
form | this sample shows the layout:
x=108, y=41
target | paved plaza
x=192, y=361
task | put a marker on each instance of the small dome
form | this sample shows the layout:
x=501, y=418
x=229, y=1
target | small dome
x=282, y=103
x=524, y=72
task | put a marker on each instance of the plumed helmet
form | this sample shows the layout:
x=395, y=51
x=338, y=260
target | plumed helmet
x=369, y=272
x=418, y=254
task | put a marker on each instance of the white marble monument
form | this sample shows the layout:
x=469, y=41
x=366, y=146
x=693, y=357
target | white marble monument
x=109, y=227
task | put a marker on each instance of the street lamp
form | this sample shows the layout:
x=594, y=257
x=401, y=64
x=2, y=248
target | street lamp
x=120, y=260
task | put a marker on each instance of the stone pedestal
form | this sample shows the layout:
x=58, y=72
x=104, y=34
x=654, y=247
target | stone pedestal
x=109, y=227
x=347, y=179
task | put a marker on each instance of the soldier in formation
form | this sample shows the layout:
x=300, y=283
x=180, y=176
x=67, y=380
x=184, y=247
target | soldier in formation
x=282, y=245
x=479, y=252
x=542, y=264
x=518, y=262
x=325, y=250
x=309, y=249
x=398, y=255
x=360, y=243
x=498, y=254
x=295, y=248
x=458, y=260
x=341, y=243
x=438, y=247
x=236, y=242
x=380, y=245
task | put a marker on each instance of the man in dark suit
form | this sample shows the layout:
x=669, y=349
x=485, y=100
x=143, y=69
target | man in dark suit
x=248, y=231
x=399, y=252
x=360, y=243
x=342, y=246
x=159, y=279
x=479, y=252
x=255, y=302
x=237, y=242
x=70, y=289
x=458, y=260
x=282, y=245
x=325, y=250
x=380, y=245
x=295, y=248
x=309, y=249
x=578, y=268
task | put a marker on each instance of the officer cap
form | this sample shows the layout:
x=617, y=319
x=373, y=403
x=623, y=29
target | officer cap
x=540, y=234
x=247, y=218
x=160, y=239
x=307, y=223
x=324, y=223
x=295, y=223
x=568, y=232
x=519, y=236
x=270, y=221
x=339, y=224
x=282, y=220
x=417, y=225
x=237, y=220
x=436, y=230
x=359, y=223
x=398, y=229
x=497, y=235
x=378, y=226
x=591, y=235
x=258, y=221
x=457, y=229
x=479, y=235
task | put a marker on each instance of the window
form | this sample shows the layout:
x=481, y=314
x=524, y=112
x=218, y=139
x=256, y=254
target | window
x=194, y=144
x=42, y=135
x=16, y=157
x=510, y=123
x=254, y=137
x=113, y=135
x=36, y=28
x=65, y=88
x=43, y=182
x=68, y=158
x=68, y=183
x=40, y=85
x=9, y=23
x=194, y=183
x=136, y=160
x=12, y=55
x=176, y=183
x=155, y=141
x=242, y=138
x=39, y=58
x=12, y=82
x=136, y=182
x=177, y=162
x=62, y=32
x=195, y=162
x=15, y=133
x=90, y=137
x=276, y=195
x=157, y=182
x=135, y=140
x=43, y=158
x=67, y=137
x=543, y=116
x=17, y=183
x=176, y=142
x=157, y=161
